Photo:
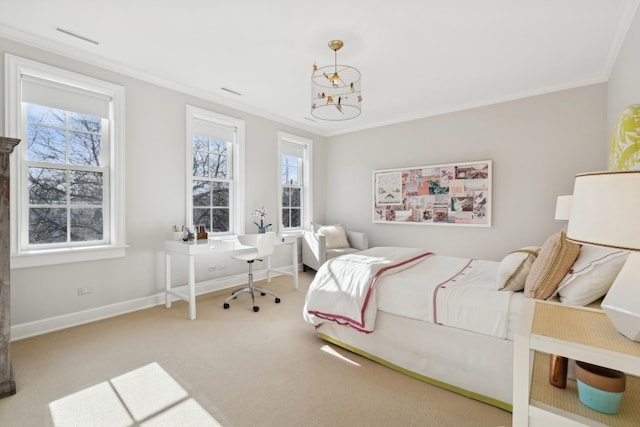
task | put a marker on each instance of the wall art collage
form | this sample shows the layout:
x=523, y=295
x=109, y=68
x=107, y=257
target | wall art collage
x=449, y=194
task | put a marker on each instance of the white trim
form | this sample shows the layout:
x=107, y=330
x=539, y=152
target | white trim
x=237, y=196
x=465, y=107
x=620, y=37
x=67, y=255
x=15, y=67
x=99, y=61
x=95, y=60
x=51, y=324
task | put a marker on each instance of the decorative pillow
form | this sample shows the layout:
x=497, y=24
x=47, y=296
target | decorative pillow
x=591, y=275
x=335, y=235
x=515, y=267
x=554, y=260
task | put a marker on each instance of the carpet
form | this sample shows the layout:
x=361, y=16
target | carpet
x=230, y=368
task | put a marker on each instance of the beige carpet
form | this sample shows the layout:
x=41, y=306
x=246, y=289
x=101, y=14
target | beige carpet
x=229, y=367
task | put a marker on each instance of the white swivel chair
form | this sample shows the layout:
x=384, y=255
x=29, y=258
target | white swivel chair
x=262, y=246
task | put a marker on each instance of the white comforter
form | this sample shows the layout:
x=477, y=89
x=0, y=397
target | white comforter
x=344, y=288
x=456, y=292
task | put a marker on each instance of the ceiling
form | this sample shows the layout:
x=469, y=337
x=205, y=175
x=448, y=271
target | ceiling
x=418, y=58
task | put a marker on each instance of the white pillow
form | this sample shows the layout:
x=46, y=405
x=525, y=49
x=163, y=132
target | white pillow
x=335, y=235
x=514, y=268
x=591, y=275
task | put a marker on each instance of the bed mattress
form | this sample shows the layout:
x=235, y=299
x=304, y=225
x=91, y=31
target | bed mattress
x=474, y=365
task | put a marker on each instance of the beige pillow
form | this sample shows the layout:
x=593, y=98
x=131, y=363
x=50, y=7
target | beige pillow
x=556, y=257
x=514, y=268
x=335, y=236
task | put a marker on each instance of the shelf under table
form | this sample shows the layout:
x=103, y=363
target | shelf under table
x=585, y=327
x=567, y=399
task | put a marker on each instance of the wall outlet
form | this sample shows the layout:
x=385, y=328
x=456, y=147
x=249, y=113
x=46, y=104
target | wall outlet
x=216, y=267
x=84, y=291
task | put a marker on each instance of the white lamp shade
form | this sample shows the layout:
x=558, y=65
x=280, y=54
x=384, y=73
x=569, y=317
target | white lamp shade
x=563, y=207
x=605, y=210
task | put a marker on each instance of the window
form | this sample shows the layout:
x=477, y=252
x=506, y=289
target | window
x=67, y=173
x=66, y=177
x=295, y=187
x=292, y=190
x=215, y=164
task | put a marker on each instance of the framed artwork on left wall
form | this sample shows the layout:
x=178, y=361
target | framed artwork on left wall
x=448, y=194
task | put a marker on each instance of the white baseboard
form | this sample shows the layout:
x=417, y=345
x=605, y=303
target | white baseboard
x=39, y=327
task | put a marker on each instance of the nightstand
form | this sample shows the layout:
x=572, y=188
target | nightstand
x=579, y=334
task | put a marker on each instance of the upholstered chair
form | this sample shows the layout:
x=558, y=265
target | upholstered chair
x=326, y=242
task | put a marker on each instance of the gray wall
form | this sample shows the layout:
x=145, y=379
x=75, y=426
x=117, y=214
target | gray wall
x=624, y=82
x=537, y=145
x=155, y=198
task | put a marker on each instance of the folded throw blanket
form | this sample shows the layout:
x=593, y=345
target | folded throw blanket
x=343, y=289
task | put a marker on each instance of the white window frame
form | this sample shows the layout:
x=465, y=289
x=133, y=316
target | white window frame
x=236, y=198
x=114, y=245
x=307, y=174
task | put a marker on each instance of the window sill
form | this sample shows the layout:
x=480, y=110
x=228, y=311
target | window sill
x=66, y=256
x=294, y=233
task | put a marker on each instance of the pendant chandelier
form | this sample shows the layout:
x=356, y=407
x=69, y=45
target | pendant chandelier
x=335, y=89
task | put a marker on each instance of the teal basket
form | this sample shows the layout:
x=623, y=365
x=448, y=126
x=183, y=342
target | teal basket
x=602, y=401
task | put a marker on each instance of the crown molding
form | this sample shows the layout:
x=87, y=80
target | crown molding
x=50, y=46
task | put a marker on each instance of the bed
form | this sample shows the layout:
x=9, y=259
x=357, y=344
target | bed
x=445, y=320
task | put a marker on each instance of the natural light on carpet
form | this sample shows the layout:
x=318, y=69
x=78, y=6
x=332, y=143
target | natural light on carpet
x=147, y=396
x=334, y=353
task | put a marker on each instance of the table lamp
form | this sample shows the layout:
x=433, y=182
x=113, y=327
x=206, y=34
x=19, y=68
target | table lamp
x=563, y=207
x=605, y=211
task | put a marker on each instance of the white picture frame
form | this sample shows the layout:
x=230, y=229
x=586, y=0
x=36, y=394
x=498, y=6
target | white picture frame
x=452, y=194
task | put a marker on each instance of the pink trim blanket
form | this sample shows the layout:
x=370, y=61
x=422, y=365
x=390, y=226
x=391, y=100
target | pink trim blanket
x=344, y=288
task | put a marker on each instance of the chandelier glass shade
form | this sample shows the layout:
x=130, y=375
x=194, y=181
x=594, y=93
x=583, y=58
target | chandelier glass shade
x=335, y=89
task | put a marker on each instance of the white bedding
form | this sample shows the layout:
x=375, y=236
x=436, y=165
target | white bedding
x=344, y=289
x=456, y=292
x=463, y=290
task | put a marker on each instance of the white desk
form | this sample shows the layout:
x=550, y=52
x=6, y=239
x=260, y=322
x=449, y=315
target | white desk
x=202, y=247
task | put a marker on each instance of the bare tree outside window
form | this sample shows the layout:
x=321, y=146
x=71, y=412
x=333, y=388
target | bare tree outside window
x=291, y=175
x=211, y=183
x=66, y=176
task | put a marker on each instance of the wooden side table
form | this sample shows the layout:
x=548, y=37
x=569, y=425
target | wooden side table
x=580, y=334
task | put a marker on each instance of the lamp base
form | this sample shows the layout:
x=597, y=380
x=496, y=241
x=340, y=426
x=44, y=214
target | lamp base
x=622, y=302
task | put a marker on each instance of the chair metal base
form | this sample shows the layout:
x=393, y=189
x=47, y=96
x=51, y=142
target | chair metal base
x=250, y=290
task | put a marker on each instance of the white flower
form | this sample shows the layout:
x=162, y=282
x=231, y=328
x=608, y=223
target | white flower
x=262, y=214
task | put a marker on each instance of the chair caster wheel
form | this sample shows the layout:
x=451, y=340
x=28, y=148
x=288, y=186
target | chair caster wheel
x=225, y=305
x=277, y=300
x=255, y=308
